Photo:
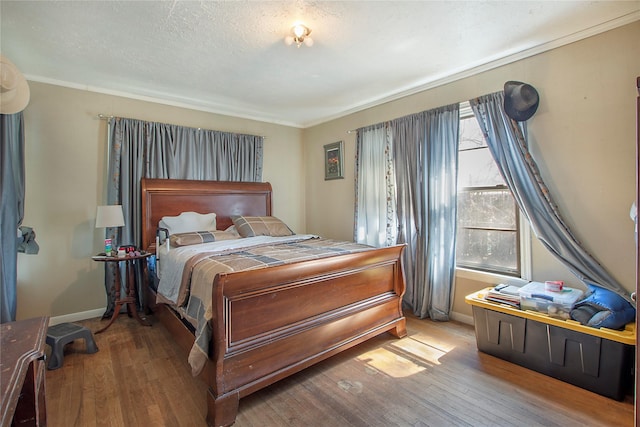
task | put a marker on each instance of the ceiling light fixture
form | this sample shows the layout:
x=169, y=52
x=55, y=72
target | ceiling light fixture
x=299, y=34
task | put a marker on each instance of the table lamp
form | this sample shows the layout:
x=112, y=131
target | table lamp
x=109, y=216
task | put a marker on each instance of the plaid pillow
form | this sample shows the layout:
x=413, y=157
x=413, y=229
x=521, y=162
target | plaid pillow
x=197, y=237
x=251, y=226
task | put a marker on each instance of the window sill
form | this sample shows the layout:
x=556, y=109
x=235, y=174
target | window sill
x=489, y=278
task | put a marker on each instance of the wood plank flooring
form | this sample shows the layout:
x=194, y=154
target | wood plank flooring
x=433, y=377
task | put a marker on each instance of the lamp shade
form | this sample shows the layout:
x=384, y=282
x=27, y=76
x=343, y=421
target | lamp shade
x=109, y=216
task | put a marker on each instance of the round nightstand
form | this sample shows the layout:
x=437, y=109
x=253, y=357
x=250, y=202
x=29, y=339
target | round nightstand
x=130, y=298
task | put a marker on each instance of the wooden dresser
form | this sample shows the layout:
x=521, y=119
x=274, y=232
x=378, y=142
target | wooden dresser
x=22, y=372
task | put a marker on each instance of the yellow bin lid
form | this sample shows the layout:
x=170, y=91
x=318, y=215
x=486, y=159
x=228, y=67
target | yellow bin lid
x=626, y=336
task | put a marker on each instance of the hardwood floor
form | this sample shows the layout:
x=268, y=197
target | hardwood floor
x=433, y=377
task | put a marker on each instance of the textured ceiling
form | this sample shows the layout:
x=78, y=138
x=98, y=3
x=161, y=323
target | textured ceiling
x=229, y=57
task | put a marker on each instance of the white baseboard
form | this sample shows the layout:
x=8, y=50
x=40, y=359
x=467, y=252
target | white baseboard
x=75, y=317
x=462, y=318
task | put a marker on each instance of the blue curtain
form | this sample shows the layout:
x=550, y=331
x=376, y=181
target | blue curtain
x=506, y=139
x=11, y=209
x=157, y=150
x=425, y=148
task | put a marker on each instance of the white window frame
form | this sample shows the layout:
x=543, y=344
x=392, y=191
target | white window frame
x=525, y=263
x=525, y=245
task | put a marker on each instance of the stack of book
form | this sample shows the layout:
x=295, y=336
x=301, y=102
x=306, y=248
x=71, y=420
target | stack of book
x=505, y=294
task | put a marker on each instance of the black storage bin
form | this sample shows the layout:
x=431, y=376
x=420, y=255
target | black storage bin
x=598, y=360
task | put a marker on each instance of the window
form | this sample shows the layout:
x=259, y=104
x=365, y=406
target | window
x=488, y=236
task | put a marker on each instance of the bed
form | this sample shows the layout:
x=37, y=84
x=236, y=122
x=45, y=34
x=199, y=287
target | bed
x=268, y=323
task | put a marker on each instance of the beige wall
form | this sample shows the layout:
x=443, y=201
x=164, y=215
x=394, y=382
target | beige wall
x=582, y=137
x=65, y=146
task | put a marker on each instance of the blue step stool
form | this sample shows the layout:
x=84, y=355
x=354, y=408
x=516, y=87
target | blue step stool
x=62, y=334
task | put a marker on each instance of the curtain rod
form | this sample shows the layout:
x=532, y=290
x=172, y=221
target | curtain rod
x=106, y=117
x=385, y=124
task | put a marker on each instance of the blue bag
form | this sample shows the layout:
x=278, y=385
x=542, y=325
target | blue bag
x=603, y=309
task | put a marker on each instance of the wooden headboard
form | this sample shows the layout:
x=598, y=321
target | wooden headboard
x=170, y=197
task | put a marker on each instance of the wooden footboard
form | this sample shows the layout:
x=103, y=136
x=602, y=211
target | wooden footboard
x=268, y=326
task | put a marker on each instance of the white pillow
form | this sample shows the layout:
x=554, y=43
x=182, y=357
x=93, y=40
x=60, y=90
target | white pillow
x=189, y=221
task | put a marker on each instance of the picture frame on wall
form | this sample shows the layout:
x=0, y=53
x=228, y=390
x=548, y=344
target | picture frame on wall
x=333, y=163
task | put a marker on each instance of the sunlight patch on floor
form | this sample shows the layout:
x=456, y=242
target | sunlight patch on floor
x=430, y=341
x=404, y=357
